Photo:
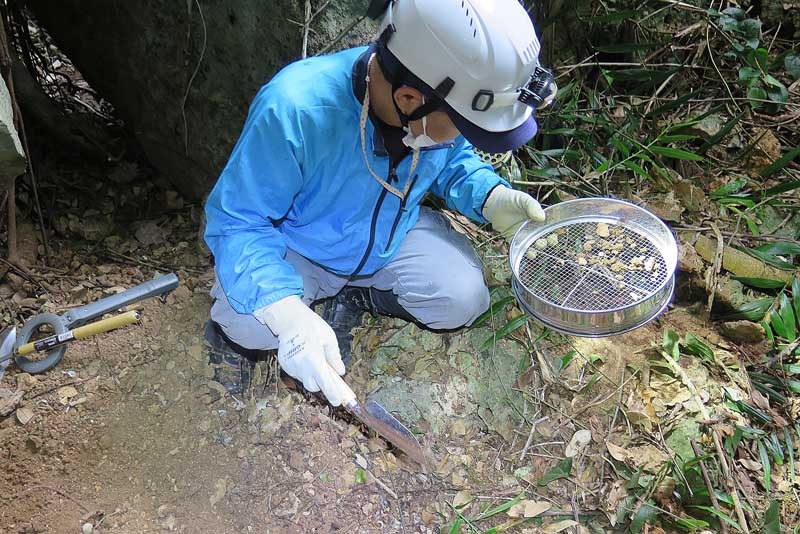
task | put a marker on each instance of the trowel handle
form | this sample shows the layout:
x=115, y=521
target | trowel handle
x=82, y=332
x=152, y=288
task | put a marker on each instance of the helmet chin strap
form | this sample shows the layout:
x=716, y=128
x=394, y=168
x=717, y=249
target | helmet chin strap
x=432, y=104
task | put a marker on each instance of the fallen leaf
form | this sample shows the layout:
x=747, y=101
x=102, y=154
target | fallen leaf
x=579, y=441
x=750, y=464
x=428, y=518
x=65, y=394
x=528, y=508
x=24, y=415
x=462, y=499
x=617, y=452
x=559, y=526
x=648, y=457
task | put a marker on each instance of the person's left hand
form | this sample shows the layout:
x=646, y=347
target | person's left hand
x=506, y=209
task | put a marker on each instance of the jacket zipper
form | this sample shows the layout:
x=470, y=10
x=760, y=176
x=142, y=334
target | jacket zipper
x=374, y=223
x=400, y=213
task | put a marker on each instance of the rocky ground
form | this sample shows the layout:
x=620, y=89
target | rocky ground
x=130, y=434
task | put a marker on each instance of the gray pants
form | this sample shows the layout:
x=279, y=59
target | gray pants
x=436, y=275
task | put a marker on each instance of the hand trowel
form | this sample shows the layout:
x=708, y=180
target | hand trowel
x=378, y=418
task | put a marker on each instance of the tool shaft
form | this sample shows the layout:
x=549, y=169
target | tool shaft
x=82, y=332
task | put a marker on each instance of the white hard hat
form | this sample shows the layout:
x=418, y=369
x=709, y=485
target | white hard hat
x=479, y=58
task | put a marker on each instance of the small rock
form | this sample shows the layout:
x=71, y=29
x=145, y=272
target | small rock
x=105, y=442
x=289, y=507
x=220, y=489
x=169, y=522
x=743, y=331
x=87, y=528
x=9, y=401
x=26, y=382
x=296, y=460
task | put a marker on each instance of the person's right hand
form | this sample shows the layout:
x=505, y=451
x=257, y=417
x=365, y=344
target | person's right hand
x=307, y=348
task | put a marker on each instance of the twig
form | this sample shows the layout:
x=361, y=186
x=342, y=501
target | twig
x=712, y=279
x=54, y=490
x=306, y=27
x=386, y=488
x=713, y=496
x=191, y=78
x=530, y=437
x=341, y=34
x=787, y=350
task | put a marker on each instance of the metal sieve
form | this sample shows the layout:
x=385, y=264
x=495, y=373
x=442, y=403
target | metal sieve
x=596, y=267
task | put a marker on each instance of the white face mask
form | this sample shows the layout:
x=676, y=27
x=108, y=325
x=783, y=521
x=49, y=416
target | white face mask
x=416, y=142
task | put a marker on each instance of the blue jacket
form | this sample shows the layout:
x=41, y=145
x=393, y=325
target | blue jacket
x=297, y=179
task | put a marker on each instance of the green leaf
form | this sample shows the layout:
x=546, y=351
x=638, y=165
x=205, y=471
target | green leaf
x=456, y=528
x=784, y=187
x=671, y=343
x=506, y=330
x=762, y=451
x=796, y=294
x=747, y=74
x=756, y=95
x=772, y=518
x=690, y=523
x=781, y=163
x=567, y=359
x=717, y=137
x=761, y=283
x=753, y=311
x=674, y=138
x=644, y=514
x=719, y=515
x=561, y=470
x=730, y=188
x=758, y=58
x=751, y=29
x=502, y=508
x=637, y=169
x=777, y=324
x=493, y=310
x=780, y=248
x=675, y=153
x=787, y=315
x=792, y=64
x=695, y=347
x=787, y=437
x=768, y=258
x=361, y=476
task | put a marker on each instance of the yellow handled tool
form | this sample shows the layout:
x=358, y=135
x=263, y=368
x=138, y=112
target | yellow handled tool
x=81, y=332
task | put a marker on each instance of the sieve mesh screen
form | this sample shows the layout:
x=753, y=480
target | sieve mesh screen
x=592, y=266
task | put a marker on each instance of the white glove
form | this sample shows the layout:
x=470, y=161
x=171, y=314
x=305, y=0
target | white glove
x=307, y=348
x=506, y=209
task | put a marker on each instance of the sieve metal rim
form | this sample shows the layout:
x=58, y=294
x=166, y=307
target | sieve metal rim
x=607, y=332
x=670, y=263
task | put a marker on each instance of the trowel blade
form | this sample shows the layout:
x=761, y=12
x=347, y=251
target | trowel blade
x=7, y=339
x=396, y=432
